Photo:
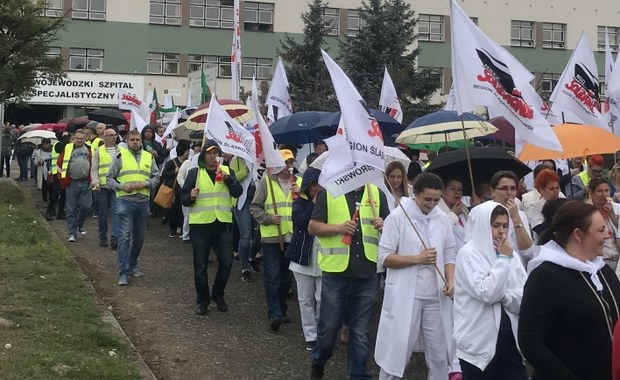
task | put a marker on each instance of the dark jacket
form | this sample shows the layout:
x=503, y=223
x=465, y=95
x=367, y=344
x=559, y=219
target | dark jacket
x=234, y=187
x=300, y=246
x=169, y=174
x=162, y=153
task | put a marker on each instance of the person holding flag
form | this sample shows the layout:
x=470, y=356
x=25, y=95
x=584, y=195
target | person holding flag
x=208, y=191
x=272, y=207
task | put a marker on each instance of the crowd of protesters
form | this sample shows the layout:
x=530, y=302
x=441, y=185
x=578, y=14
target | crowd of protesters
x=481, y=283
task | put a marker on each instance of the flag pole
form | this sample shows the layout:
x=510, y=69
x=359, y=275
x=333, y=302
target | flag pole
x=417, y=232
x=275, y=207
x=371, y=199
x=471, y=173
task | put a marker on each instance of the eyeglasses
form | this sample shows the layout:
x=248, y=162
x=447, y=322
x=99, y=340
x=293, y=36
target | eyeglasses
x=507, y=189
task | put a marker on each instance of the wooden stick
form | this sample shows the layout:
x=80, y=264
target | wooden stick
x=371, y=199
x=275, y=208
x=416, y=230
x=471, y=174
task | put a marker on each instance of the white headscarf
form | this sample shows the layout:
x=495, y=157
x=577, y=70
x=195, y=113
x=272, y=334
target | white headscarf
x=478, y=231
x=554, y=253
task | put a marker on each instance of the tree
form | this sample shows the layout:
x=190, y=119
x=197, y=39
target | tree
x=25, y=37
x=310, y=85
x=385, y=41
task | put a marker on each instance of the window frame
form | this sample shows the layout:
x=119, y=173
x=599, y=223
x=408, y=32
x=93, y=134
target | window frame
x=211, y=22
x=164, y=18
x=87, y=55
x=428, y=21
x=356, y=15
x=89, y=12
x=334, y=15
x=552, y=79
x=553, y=28
x=614, y=37
x=262, y=8
x=162, y=59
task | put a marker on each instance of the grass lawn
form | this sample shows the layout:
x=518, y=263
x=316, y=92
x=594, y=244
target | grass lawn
x=50, y=326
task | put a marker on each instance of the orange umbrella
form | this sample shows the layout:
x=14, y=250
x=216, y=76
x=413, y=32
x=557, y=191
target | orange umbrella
x=577, y=141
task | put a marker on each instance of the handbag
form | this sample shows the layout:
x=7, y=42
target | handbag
x=165, y=195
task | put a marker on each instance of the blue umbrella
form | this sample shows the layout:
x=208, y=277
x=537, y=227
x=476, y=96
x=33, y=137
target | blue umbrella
x=389, y=126
x=441, y=117
x=301, y=128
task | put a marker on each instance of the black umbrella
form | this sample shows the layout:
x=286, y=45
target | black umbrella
x=301, y=128
x=485, y=162
x=108, y=116
x=389, y=126
x=77, y=123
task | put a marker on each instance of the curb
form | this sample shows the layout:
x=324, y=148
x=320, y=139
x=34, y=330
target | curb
x=107, y=316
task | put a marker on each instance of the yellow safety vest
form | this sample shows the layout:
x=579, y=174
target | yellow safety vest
x=285, y=209
x=55, y=155
x=132, y=172
x=585, y=178
x=214, y=200
x=65, y=160
x=333, y=254
x=105, y=160
x=94, y=145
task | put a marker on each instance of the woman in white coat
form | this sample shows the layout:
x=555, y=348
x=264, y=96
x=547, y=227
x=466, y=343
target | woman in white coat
x=488, y=284
x=415, y=300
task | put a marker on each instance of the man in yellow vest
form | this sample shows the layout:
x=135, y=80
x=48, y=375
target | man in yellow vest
x=133, y=174
x=349, y=283
x=279, y=189
x=577, y=188
x=208, y=191
x=74, y=172
x=94, y=140
x=102, y=159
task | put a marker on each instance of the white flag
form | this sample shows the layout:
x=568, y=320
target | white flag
x=129, y=101
x=171, y=126
x=450, y=103
x=137, y=122
x=235, y=57
x=388, y=100
x=278, y=95
x=230, y=136
x=363, y=135
x=265, y=145
x=578, y=88
x=612, y=109
x=484, y=77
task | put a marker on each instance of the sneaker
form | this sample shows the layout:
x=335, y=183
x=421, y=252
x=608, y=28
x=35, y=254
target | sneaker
x=164, y=221
x=255, y=265
x=82, y=231
x=275, y=323
x=201, y=309
x=317, y=372
x=122, y=279
x=136, y=272
x=173, y=234
x=114, y=244
x=285, y=319
x=71, y=239
x=221, y=304
x=187, y=241
x=310, y=345
x=246, y=276
x=95, y=216
x=103, y=242
x=236, y=256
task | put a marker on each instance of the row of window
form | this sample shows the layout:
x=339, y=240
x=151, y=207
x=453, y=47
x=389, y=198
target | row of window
x=81, y=59
x=258, y=16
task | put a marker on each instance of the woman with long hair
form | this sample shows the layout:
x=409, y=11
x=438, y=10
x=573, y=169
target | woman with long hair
x=396, y=181
x=599, y=197
x=571, y=299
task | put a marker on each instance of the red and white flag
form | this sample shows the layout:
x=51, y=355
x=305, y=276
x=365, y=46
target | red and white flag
x=578, y=88
x=361, y=131
x=229, y=134
x=235, y=56
x=388, y=100
x=267, y=153
x=278, y=96
x=484, y=77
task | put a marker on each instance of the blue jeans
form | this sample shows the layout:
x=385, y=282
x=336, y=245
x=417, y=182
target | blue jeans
x=350, y=301
x=132, y=220
x=245, y=222
x=204, y=237
x=277, y=279
x=77, y=204
x=107, y=199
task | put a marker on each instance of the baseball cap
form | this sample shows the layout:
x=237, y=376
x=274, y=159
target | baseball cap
x=211, y=144
x=286, y=154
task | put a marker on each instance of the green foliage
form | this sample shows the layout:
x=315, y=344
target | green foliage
x=25, y=37
x=310, y=84
x=384, y=41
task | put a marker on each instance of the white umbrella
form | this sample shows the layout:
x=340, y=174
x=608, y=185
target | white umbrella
x=31, y=127
x=35, y=137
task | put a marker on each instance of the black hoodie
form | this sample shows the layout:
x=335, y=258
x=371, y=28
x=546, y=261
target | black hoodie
x=153, y=144
x=234, y=187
